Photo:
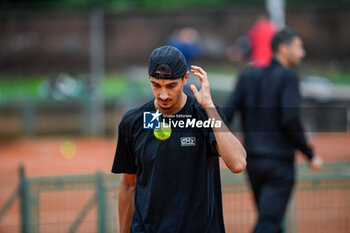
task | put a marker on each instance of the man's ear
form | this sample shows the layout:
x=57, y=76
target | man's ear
x=185, y=78
x=283, y=49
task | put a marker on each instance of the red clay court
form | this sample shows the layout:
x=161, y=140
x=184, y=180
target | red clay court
x=43, y=157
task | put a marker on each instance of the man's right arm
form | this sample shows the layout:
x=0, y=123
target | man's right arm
x=126, y=201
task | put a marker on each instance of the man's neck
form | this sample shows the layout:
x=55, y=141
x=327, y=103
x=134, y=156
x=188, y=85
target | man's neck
x=282, y=60
x=174, y=109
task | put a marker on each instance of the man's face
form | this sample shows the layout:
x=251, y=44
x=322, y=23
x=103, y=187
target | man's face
x=167, y=91
x=295, y=51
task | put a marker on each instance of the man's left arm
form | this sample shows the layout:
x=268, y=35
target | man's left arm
x=291, y=101
x=227, y=145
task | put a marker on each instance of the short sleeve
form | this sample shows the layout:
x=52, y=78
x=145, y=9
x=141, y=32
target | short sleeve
x=124, y=159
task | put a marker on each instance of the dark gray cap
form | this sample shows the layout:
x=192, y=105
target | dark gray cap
x=171, y=56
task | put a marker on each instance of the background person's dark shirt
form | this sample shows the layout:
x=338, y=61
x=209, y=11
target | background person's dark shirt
x=178, y=187
x=269, y=101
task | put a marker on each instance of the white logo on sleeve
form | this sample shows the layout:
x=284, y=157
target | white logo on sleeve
x=188, y=141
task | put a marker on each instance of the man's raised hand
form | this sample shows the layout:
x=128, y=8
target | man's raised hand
x=203, y=96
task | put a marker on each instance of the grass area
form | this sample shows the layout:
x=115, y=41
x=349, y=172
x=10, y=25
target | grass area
x=19, y=89
x=341, y=79
x=112, y=87
x=37, y=88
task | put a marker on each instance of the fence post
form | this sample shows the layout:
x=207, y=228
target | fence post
x=101, y=203
x=24, y=195
x=292, y=220
x=28, y=118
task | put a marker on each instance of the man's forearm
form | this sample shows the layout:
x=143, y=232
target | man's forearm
x=229, y=147
x=294, y=132
x=125, y=207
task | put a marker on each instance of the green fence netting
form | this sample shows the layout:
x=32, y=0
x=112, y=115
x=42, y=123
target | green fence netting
x=88, y=203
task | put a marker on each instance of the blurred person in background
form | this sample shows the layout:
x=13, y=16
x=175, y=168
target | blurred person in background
x=188, y=41
x=260, y=36
x=269, y=101
x=239, y=52
x=255, y=46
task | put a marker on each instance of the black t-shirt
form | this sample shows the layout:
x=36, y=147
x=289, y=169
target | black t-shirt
x=269, y=101
x=178, y=186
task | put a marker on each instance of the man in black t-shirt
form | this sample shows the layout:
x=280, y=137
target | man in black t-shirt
x=168, y=153
x=269, y=102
